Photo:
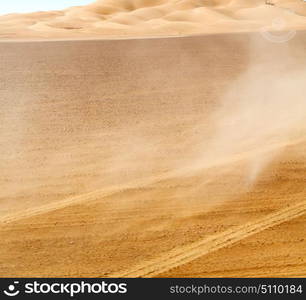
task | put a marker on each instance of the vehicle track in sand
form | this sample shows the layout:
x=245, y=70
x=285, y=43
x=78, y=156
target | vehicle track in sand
x=73, y=200
x=188, y=253
x=140, y=183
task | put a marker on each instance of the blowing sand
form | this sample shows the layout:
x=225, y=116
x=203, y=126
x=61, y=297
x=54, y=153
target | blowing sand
x=165, y=157
x=130, y=18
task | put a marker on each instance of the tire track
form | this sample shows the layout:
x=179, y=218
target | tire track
x=188, y=253
x=74, y=200
x=138, y=184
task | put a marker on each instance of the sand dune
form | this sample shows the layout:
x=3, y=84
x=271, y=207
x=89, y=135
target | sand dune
x=119, y=18
x=160, y=153
x=181, y=156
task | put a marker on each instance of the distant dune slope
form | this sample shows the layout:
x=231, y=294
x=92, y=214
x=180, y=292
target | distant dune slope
x=114, y=18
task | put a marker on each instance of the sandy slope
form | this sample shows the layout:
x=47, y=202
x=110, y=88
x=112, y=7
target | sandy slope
x=114, y=18
x=117, y=154
x=189, y=253
x=261, y=255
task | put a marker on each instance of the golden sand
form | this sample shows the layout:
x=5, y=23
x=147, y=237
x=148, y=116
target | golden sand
x=164, y=157
x=130, y=18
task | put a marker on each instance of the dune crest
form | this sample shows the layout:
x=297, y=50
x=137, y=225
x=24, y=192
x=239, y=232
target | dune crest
x=127, y=18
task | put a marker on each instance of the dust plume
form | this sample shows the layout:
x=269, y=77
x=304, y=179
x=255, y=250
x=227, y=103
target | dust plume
x=261, y=113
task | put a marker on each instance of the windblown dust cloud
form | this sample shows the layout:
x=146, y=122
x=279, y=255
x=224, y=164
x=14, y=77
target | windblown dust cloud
x=203, y=131
x=261, y=112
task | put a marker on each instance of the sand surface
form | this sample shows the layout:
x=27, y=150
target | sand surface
x=130, y=18
x=153, y=157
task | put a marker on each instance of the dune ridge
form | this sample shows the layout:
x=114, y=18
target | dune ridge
x=130, y=18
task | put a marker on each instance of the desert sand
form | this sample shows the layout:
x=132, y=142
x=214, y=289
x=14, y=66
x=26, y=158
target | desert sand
x=153, y=157
x=131, y=18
